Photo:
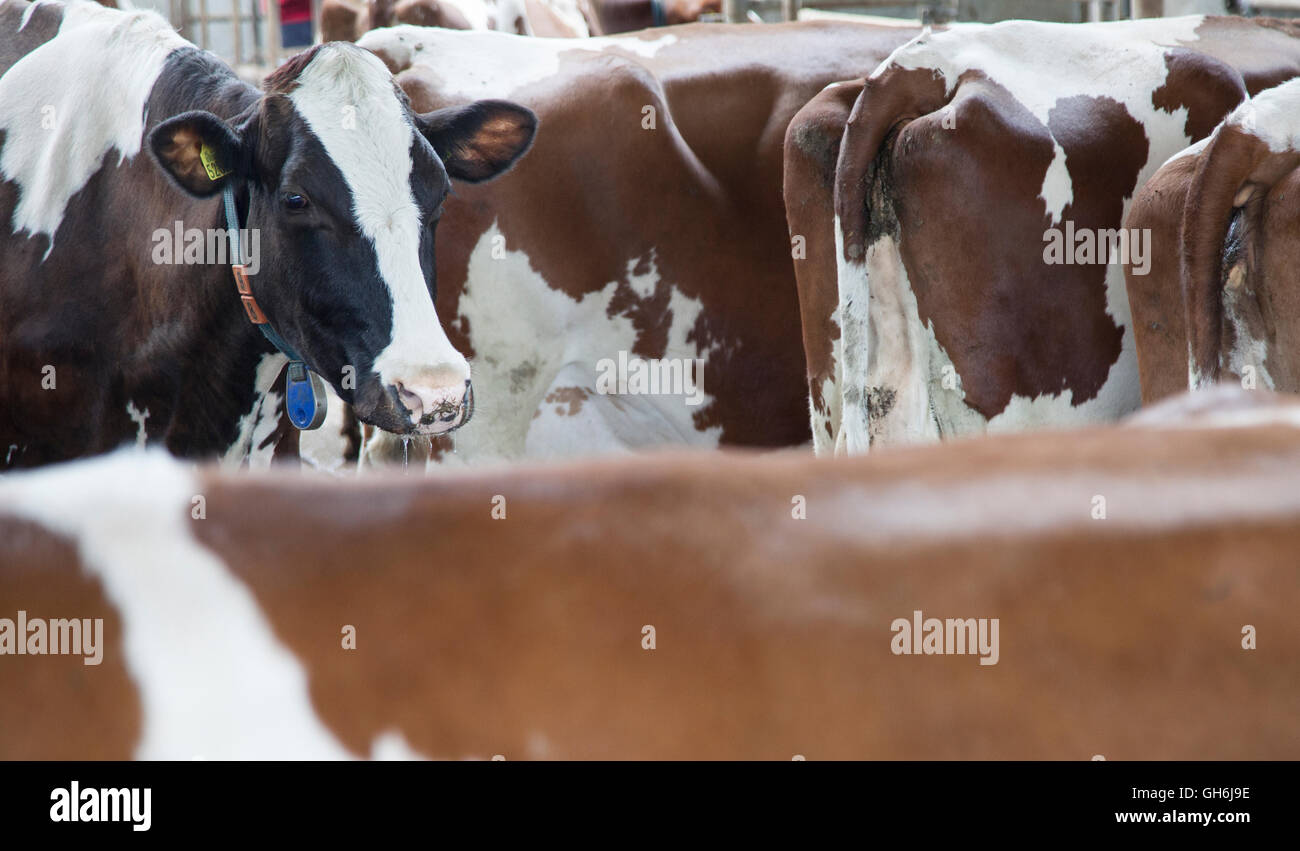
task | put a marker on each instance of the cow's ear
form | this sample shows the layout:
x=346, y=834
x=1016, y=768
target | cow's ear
x=198, y=150
x=480, y=140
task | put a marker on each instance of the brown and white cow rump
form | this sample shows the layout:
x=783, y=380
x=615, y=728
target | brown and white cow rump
x=1220, y=301
x=977, y=173
x=645, y=223
x=120, y=317
x=1143, y=583
x=348, y=20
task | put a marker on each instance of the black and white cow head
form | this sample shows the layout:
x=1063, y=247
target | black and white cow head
x=346, y=184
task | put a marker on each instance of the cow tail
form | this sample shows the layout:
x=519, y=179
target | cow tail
x=1235, y=169
x=890, y=99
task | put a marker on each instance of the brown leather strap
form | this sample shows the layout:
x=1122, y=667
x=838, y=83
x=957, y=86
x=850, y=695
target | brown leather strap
x=251, y=307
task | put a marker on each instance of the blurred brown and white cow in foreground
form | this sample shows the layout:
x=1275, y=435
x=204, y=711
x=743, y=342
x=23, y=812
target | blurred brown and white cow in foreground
x=1129, y=592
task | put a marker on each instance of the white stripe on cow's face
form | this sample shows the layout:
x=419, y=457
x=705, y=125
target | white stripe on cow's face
x=348, y=99
x=214, y=680
x=68, y=103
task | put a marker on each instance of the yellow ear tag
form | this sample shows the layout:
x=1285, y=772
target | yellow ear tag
x=209, y=159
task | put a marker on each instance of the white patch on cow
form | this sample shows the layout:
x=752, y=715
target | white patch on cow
x=826, y=419
x=1122, y=61
x=261, y=418
x=1058, y=189
x=138, y=417
x=1271, y=116
x=476, y=12
x=470, y=65
x=392, y=746
x=212, y=677
x=214, y=681
x=373, y=152
x=322, y=449
x=855, y=341
x=93, y=81
x=1247, y=349
x=532, y=340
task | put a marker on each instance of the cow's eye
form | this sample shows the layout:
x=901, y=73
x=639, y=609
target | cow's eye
x=295, y=202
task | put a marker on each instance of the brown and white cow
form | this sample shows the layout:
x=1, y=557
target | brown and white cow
x=348, y=20
x=645, y=223
x=118, y=139
x=1143, y=582
x=1220, y=299
x=978, y=170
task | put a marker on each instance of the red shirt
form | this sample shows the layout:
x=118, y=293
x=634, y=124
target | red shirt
x=295, y=11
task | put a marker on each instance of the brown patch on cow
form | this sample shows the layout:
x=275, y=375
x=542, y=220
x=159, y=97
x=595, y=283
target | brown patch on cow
x=1271, y=286
x=1263, y=50
x=1206, y=87
x=428, y=13
x=651, y=317
x=996, y=308
x=284, y=80
x=341, y=20
x=571, y=396
x=39, y=25
x=42, y=574
x=382, y=13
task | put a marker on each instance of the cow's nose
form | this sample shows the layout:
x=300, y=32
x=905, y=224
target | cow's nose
x=436, y=409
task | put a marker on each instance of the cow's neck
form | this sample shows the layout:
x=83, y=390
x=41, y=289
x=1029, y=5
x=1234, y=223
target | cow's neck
x=223, y=366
